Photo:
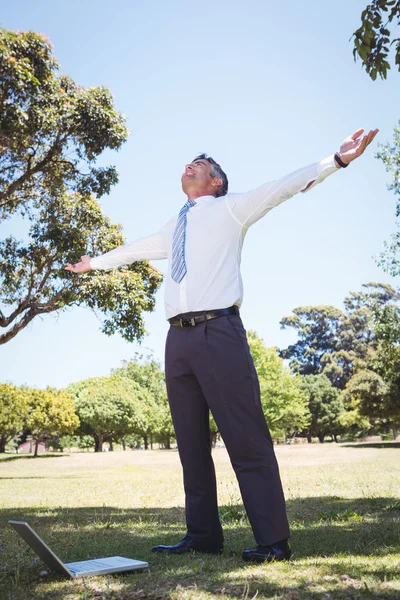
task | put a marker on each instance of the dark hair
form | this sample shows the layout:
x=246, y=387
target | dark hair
x=216, y=171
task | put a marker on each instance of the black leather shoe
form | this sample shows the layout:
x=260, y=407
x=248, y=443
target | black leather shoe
x=279, y=551
x=189, y=545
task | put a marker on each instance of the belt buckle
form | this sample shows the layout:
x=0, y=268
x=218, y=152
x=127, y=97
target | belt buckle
x=189, y=322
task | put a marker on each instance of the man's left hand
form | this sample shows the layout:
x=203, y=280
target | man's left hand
x=354, y=145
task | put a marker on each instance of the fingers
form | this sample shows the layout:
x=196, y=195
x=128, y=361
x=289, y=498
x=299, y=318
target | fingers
x=70, y=267
x=357, y=133
x=355, y=145
x=373, y=133
x=366, y=140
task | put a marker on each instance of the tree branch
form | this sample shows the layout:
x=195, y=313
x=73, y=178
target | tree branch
x=29, y=172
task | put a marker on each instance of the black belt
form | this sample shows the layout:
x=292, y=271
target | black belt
x=207, y=315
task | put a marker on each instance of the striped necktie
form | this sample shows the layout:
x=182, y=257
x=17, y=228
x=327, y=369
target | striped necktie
x=178, y=269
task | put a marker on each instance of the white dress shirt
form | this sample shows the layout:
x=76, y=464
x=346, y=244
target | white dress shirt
x=216, y=228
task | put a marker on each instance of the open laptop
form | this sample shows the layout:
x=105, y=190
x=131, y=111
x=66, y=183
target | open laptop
x=84, y=568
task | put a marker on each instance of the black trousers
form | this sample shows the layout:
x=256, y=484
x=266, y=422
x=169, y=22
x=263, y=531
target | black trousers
x=209, y=367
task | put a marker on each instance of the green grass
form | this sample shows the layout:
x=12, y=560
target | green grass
x=343, y=504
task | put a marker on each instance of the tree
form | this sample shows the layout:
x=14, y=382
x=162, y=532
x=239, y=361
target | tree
x=390, y=155
x=51, y=413
x=109, y=407
x=33, y=280
x=372, y=39
x=317, y=327
x=386, y=360
x=367, y=393
x=147, y=372
x=284, y=404
x=333, y=342
x=372, y=395
x=13, y=412
x=52, y=131
x=325, y=406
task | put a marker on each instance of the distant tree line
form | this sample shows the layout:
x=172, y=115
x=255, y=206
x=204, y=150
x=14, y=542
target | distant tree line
x=350, y=362
x=342, y=379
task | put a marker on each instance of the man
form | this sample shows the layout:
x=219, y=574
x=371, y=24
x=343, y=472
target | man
x=207, y=360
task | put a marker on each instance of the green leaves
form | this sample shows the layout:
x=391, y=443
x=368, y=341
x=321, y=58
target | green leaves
x=110, y=407
x=332, y=341
x=325, y=405
x=389, y=259
x=13, y=412
x=33, y=280
x=372, y=39
x=51, y=413
x=283, y=402
x=148, y=374
x=52, y=131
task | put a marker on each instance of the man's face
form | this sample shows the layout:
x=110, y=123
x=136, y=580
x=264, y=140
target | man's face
x=199, y=170
x=197, y=176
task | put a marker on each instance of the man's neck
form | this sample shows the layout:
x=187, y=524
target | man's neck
x=194, y=195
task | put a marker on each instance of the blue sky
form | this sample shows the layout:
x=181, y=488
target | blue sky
x=265, y=88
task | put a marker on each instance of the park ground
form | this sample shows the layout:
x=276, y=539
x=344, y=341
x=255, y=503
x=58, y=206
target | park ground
x=343, y=503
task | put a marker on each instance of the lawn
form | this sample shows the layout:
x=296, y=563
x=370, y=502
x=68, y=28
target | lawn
x=343, y=503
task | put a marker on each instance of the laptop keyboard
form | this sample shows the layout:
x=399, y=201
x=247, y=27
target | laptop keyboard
x=95, y=565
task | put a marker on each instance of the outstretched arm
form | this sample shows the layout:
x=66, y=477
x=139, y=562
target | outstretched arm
x=148, y=248
x=250, y=207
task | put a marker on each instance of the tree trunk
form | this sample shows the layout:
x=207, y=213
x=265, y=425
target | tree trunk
x=309, y=439
x=213, y=436
x=123, y=444
x=335, y=438
x=151, y=440
x=168, y=443
x=36, y=447
x=394, y=430
x=24, y=436
x=98, y=443
x=321, y=438
x=2, y=444
x=146, y=442
x=111, y=445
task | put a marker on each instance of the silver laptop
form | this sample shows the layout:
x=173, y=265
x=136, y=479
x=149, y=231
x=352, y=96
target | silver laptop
x=84, y=568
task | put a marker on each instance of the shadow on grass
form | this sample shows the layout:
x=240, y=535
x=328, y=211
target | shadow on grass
x=5, y=458
x=373, y=445
x=331, y=535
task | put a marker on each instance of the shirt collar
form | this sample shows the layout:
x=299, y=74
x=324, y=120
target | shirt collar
x=202, y=200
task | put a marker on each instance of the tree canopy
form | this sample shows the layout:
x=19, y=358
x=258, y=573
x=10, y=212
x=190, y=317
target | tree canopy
x=52, y=131
x=332, y=341
x=148, y=374
x=390, y=156
x=51, y=412
x=33, y=280
x=13, y=412
x=283, y=402
x=109, y=407
x=372, y=40
x=325, y=405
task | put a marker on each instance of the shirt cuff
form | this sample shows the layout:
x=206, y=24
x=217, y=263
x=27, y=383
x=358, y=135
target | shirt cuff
x=95, y=262
x=325, y=167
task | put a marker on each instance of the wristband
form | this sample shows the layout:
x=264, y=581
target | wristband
x=340, y=162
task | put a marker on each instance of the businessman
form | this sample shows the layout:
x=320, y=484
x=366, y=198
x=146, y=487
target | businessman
x=208, y=364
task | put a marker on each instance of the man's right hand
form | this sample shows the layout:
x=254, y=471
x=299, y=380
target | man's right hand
x=80, y=267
